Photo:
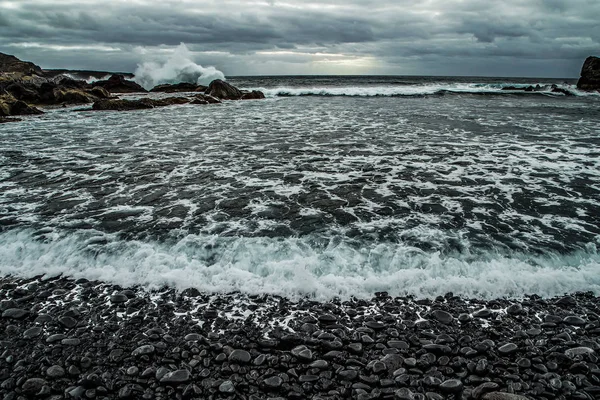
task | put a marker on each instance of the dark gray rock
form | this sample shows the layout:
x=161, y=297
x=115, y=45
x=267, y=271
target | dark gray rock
x=179, y=376
x=55, y=371
x=227, y=387
x=15, y=313
x=273, y=382
x=443, y=317
x=508, y=348
x=240, y=356
x=143, y=350
x=503, y=396
x=451, y=386
x=33, y=386
x=32, y=332
x=577, y=351
x=302, y=353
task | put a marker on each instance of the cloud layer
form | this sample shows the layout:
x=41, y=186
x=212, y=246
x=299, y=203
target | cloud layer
x=546, y=38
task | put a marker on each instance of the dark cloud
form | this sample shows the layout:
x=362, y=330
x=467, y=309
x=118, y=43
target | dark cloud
x=534, y=38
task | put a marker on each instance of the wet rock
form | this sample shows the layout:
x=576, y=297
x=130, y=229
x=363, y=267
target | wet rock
x=118, y=298
x=223, y=90
x=273, y=382
x=143, y=350
x=302, y=353
x=451, y=386
x=503, y=396
x=178, y=87
x=508, y=348
x=118, y=84
x=577, y=351
x=32, y=332
x=33, y=386
x=55, y=371
x=227, y=387
x=240, y=356
x=179, y=376
x=443, y=317
x=590, y=74
x=15, y=313
x=574, y=320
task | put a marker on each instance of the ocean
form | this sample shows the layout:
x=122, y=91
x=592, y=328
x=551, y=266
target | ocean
x=330, y=187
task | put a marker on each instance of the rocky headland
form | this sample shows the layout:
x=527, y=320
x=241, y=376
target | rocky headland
x=590, y=75
x=25, y=89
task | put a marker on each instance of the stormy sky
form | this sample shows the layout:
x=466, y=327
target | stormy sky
x=537, y=38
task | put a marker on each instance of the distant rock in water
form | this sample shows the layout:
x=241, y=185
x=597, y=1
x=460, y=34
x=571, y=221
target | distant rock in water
x=223, y=90
x=118, y=84
x=590, y=74
x=11, y=64
x=178, y=87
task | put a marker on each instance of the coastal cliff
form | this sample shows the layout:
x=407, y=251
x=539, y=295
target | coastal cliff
x=590, y=74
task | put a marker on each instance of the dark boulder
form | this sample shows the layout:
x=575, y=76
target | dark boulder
x=178, y=87
x=11, y=64
x=205, y=99
x=118, y=84
x=223, y=90
x=253, y=95
x=590, y=74
x=9, y=106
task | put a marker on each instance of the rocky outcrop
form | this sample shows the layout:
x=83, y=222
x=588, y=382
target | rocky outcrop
x=538, y=88
x=11, y=64
x=590, y=75
x=9, y=106
x=118, y=84
x=253, y=95
x=223, y=90
x=138, y=104
x=205, y=99
x=178, y=88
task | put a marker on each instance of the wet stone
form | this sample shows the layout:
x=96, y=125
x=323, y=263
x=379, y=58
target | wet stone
x=68, y=322
x=578, y=351
x=443, y=316
x=55, y=371
x=508, y=348
x=55, y=338
x=143, y=350
x=273, y=382
x=33, y=386
x=15, y=313
x=118, y=298
x=302, y=353
x=239, y=356
x=32, y=332
x=227, y=387
x=451, y=386
x=179, y=376
x=574, y=320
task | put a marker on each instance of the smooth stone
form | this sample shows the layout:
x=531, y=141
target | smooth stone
x=515, y=309
x=70, y=342
x=327, y=319
x=484, y=388
x=33, y=386
x=451, y=386
x=55, y=371
x=68, y=322
x=273, y=382
x=320, y=364
x=398, y=344
x=240, y=356
x=443, y=316
x=143, y=350
x=503, y=396
x=404, y=394
x=57, y=337
x=179, y=376
x=577, y=351
x=574, y=320
x=118, y=298
x=32, y=332
x=348, y=375
x=375, y=325
x=302, y=352
x=227, y=387
x=508, y=348
x=14, y=313
x=483, y=313
x=193, y=337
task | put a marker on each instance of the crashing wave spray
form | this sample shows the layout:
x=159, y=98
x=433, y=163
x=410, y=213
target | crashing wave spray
x=178, y=68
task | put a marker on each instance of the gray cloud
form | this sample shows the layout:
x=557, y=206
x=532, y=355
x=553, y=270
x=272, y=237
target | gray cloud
x=469, y=37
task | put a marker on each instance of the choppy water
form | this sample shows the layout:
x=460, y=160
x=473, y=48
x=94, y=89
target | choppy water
x=409, y=186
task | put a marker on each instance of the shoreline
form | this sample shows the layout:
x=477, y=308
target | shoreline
x=65, y=338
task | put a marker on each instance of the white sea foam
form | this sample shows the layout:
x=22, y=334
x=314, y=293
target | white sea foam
x=295, y=266
x=417, y=90
x=179, y=67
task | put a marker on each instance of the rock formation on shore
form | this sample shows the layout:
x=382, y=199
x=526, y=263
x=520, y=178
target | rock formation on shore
x=590, y=74
x=118, y=84
x=24, y=85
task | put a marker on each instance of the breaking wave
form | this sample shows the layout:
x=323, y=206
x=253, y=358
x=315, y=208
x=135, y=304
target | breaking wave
x=295, y=266
x=428, y=90
x=178, y=68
